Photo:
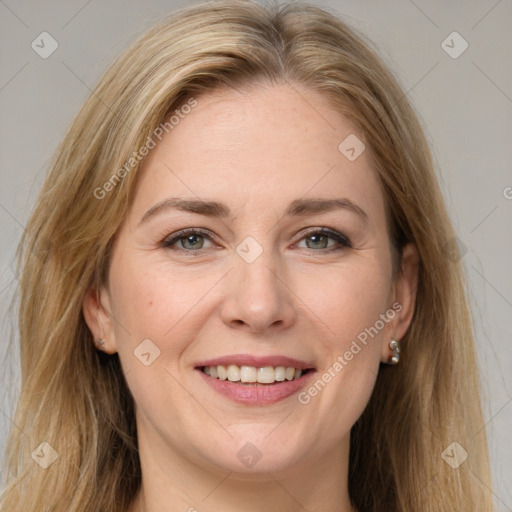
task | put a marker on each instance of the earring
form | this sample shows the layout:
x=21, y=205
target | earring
x=100, y=343
x=394, y=345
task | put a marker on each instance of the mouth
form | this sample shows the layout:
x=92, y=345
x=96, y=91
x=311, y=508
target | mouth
x=254, y=376
x=255, y=380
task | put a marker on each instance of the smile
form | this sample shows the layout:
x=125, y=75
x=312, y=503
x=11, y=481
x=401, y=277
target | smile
x=253, y=380
x=253, y=375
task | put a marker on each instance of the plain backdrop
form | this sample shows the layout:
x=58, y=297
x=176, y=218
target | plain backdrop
x=464, y=102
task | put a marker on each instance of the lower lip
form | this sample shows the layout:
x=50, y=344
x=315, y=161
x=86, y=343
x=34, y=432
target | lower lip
x=257, y=395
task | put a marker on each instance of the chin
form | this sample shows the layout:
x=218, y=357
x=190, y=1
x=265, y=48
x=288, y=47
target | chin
x=254, y=456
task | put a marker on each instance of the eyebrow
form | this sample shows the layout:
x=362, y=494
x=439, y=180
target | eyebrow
x=297, y=208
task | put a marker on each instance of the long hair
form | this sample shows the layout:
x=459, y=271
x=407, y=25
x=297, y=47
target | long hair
x=76, y=400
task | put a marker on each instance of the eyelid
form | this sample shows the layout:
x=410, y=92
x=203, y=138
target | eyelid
x=340, y=238
x=336, y=235
x=182, y=233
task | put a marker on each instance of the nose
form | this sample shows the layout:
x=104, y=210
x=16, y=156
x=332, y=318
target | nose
x=257, y=297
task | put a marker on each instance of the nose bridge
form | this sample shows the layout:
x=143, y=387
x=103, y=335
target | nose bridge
x=257, y=296
x=256, y=266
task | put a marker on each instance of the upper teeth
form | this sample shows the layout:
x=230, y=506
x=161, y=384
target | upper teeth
x=263, y=375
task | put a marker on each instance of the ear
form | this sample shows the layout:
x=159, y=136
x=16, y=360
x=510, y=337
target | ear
x=403, y=298
x=96, y=309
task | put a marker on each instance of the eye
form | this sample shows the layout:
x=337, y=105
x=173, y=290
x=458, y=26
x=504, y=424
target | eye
x=318, y=240
x=191, y=240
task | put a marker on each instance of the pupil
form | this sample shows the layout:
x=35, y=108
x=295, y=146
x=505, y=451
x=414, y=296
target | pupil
x=316, y=239
x=192, y=240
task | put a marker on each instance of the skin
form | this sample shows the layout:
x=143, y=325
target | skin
x=256, y=151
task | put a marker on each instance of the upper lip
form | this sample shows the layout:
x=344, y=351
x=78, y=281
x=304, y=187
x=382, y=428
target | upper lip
x=257, y=361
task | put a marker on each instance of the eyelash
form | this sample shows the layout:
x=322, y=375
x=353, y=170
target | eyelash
x=342, y=240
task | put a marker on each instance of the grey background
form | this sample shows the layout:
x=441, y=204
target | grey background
x=465, y=105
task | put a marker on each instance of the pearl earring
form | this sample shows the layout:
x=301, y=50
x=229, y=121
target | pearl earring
x=394, y=345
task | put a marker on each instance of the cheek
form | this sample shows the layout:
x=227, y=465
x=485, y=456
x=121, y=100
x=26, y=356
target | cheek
x=349, y=308
x=158, y=303
x=168, y=308
x=349, y=301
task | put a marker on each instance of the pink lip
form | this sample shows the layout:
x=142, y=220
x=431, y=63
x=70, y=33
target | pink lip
x=256, y=395
x=257, y=361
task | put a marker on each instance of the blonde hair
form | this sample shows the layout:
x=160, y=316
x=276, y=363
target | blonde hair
x=76, y=399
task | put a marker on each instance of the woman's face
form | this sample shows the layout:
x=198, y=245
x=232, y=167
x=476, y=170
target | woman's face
x=253, y=288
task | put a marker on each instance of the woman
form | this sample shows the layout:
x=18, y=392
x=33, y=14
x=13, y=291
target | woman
x=236, y=291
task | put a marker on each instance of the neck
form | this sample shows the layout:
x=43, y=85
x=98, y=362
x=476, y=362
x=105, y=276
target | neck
x=319, y=484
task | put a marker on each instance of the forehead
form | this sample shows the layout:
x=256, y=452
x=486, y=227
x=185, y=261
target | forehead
x=261, y=147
